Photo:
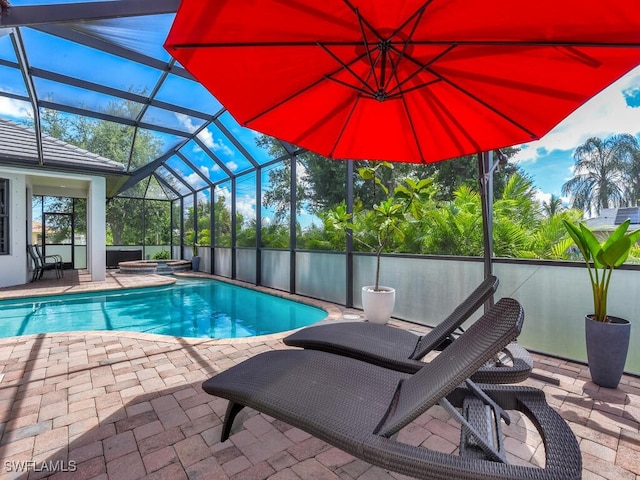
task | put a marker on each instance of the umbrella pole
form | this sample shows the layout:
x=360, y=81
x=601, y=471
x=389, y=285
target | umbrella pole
x=486, y=166
x=349, y=235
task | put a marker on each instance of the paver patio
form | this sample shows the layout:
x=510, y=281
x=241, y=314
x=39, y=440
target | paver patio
x=113, y=405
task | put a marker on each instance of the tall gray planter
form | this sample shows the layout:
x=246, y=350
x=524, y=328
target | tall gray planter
x=195, y=263
x=607, y=346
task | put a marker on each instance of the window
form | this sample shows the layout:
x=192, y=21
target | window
x=4, y=216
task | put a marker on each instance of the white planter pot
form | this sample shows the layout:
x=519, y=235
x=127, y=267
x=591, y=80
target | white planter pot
x=378, y=305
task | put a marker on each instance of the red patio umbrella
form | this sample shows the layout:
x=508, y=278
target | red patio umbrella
x=415, y=81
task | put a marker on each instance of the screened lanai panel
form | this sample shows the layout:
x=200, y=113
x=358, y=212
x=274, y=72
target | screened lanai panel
x=173, y=91
x=222, y=146
x=198, y=157
x=186, y=172
x=203, y=212
x=170, y=194
x=7, y=52
x=188, y=219
x=246, y=210
x=174, y=182
x=222, y=197
x=149, y=188
x=248, y=138
x=179, y=122
x=85, y=63
x=12, y=81
x=91, y=100
x=308, y=235
x=144, y=35
x=276, y=206
x=157, y=227
x=151, y=144
x=136, y=191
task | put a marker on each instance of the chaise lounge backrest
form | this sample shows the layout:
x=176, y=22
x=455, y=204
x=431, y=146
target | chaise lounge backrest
x=473, y=302
x=456, y=363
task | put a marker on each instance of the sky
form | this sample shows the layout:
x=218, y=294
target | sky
x=615, y=110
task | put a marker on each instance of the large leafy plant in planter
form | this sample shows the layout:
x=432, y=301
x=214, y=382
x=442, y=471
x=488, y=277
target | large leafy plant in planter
x=602, y=258
x=607, y=337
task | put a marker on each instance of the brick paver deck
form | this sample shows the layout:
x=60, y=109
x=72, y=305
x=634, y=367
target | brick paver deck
x=125, y=406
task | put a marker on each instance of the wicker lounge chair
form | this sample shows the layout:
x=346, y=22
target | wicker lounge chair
x=359, y=407
x=402, y=350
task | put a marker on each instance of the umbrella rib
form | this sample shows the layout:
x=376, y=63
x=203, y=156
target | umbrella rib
x=348, y=85
x=416, y=87
x=410, y=119
x=485, y=104
x=402, y=53
x=422, y=68
x=366, y=48
x=413, y=129
x=347, y=68
x=364, y=20
x=441, y=112
x=419, y=11
x=295, y=94
x=344, y=126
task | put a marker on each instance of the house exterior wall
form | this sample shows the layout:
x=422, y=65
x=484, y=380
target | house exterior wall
x=96, y=229
x=13, y=267
x=23, y=184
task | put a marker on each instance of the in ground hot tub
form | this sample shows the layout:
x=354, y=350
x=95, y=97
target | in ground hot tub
x=162, y=267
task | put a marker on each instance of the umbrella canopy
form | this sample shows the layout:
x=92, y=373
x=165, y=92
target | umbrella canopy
x=416, y=81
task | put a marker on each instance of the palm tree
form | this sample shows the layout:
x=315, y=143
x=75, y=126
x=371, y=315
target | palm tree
x=599, y=173
x=632, y=175
x=553, y=206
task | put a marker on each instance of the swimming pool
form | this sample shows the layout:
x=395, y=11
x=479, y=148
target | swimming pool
x=196, y=308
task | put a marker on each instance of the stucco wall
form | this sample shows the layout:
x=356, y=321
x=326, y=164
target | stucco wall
x=13, y=267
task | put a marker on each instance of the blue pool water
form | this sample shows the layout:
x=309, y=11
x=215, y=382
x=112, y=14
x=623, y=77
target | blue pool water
x=199, y=308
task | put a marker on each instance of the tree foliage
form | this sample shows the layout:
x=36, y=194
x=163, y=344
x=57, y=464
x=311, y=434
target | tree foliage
x=605, y=174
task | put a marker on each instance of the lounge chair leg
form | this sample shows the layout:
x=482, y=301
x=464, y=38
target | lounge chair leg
x=232, y=410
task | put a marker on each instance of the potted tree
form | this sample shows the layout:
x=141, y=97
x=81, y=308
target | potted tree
x=607, y=337
x=376, y=228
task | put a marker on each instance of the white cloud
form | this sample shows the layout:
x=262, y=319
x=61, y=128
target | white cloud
x=194, y=179
x=216, y=145
x=186, y=122
x=204, y=170
x=541, y=197
x=15, y=109
x=225, y=192
x=246, y=206
x=544, y=197
x=605, y=114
